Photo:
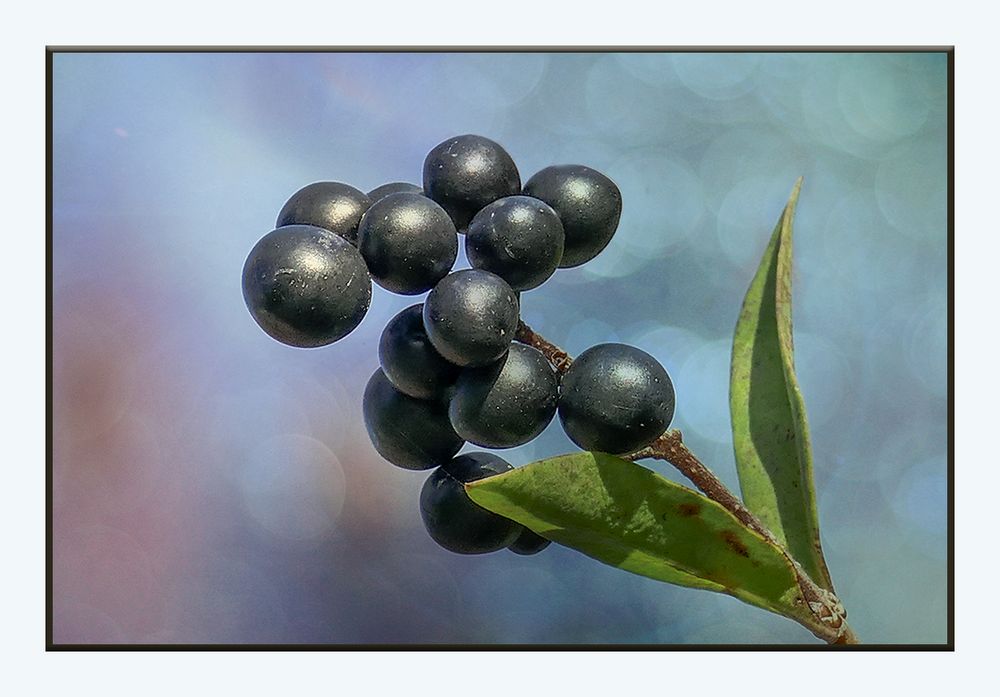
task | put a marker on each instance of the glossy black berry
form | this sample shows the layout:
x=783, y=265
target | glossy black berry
x=471, y=317
x=528, y=542
x=453, y=520
x=330, y=205
x=468, y=172
x=393, y=188
x=408, y=242
x=589, y=206
x=519, y=238
x=306, y=286
x=409, y=360
x=506, y=403
x=414, y=434
x=615, y=399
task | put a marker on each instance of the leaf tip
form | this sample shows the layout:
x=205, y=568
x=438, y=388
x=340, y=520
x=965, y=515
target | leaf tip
x=796, y=189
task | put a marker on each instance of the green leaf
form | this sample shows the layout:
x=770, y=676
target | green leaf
x=632, y=518
x=770, y=431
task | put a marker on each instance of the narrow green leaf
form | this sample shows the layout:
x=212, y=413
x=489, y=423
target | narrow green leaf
x=632, y=518
x=770, y=430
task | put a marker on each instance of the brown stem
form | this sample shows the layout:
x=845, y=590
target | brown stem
x=559, y=359
x=827, y=617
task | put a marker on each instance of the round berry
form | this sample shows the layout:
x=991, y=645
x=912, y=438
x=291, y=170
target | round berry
x=615, y=399
x=528, y=542
x=330, y=205
x=519, y=238
x=506, y=403
x=465, y=173
x=414, y=434
x=305, y=286
x=394, y=188
x=454, y=520
x=408, y=242
x=589, y=206
x=471, y=317
x=409, y=360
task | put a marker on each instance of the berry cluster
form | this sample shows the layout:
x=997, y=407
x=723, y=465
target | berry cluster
x=451, y=371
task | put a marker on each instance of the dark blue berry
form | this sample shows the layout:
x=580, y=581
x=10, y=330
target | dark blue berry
x=471, y=317
x=409, y=360
x=414, y=434
x=393, y=188
x=330, y=205
x=615, y=399
x=453, y=520
x=519, y=238
x=465, y=173
x=528, y=543
x=507, y=403
x=589, y=206
x=306, y=286
x=408, y=242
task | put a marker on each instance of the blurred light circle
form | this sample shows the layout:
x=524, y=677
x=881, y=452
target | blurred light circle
x=881, y=101
x=702, y=386
x=94, y=374
x=824, y=375
x=784, y=68
x=746, y=218
x=930, y=73
x=920, y=497
x=268, y=407
x=589, y=332
x=493, y=81
x=656, y=69
x=662, y=203
x=615, y=261
x=627, y=110
x=606, y=88
x=912, y=187
x=717, y=75
x=293, y=486
x=122, y=469
x=746, y=152
x=329, y=405
x=539, y=306
x=823, y=113
x=671, y=346
x=851, y=237
x=926, y=348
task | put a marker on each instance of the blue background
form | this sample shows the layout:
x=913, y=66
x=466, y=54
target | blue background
x=212, y=485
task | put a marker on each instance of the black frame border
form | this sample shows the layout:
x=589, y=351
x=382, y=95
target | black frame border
x=50, y=51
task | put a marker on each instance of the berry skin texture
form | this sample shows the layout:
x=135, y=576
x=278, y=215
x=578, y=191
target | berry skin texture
x=305, y=286
x=452, y=519
x=394, y=188
x=408, y=359
x=410, y=433
x=519, y=238
x=507, y=403
x=330, y=205
x=471, y=316
x=528, y=543
x=408, y=242
x=615, y=399
x=589, y=206
x=468, y=172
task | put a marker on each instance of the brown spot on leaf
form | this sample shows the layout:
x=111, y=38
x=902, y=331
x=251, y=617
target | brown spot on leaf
x=733, y=542
x=689, y=509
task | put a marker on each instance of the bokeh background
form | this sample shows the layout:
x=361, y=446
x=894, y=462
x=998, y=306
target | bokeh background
x=212, y=485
